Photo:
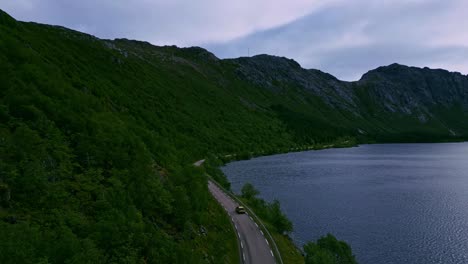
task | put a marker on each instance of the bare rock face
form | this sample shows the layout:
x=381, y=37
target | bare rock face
x=395, y=88
x=279, y=73
x=409, y=96
x=198, y=53
x=409, y=89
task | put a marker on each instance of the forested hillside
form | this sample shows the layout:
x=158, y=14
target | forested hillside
x=97, y=137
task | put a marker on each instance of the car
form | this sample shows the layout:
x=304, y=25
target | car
x=240, y=209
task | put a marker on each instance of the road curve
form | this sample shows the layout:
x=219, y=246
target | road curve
x=199, y=163
x=254, y=246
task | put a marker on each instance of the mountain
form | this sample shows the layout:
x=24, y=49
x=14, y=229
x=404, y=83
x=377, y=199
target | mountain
x=431, y=104
x=395, y=103
x=97, y=137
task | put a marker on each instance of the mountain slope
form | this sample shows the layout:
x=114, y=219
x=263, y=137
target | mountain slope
x=97, y=137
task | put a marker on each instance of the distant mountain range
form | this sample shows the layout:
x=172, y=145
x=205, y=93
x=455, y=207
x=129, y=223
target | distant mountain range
x=390, y=103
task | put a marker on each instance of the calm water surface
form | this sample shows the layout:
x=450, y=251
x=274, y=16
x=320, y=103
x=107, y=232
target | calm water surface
x=394, y=203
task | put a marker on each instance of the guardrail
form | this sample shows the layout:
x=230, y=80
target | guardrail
x=257, y=219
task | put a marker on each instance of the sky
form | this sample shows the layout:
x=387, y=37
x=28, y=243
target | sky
x=345, y=38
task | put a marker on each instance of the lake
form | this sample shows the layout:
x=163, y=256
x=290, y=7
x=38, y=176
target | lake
x=393, y=203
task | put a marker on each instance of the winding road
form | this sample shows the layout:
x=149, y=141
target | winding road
x=254, y=247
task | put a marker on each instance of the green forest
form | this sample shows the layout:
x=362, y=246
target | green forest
x=97, y=138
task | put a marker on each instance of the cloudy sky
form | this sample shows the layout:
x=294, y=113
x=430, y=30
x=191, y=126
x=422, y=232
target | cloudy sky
x=343, y=37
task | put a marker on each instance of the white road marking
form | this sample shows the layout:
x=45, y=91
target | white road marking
x=219, y=195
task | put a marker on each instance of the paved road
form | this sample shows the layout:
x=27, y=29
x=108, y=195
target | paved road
x=254, y=246
x=199, y=163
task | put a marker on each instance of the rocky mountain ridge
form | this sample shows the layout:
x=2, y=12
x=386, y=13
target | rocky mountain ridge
x=420, y=96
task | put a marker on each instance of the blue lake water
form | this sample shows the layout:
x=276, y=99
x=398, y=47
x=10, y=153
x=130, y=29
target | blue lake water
x=393, y=203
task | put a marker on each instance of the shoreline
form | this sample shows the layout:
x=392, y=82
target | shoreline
x=297, y=244
x=239, y=157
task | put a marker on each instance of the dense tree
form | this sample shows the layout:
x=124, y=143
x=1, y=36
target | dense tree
x=328, y=250
x=97, y=138
x=279, y=219
x=270, y=212
x=248, y=191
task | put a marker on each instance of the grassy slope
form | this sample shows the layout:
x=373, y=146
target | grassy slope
x=91, y=157
x=289, y=251
x=96, y=138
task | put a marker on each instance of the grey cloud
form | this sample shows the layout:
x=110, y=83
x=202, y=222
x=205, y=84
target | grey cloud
x=348, y=40
x=179, y=22
x=345, y=38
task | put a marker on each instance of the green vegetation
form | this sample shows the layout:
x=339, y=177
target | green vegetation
x=328, y=250
x=89, y=172
x=276, y=222
x=289, y=251
x=97, y=138
x=269, y=212
x=249, y=192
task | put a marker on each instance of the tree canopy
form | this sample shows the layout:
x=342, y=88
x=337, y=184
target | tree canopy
x=328, y=250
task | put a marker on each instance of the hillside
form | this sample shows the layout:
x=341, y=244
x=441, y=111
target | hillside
x=97, y=137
